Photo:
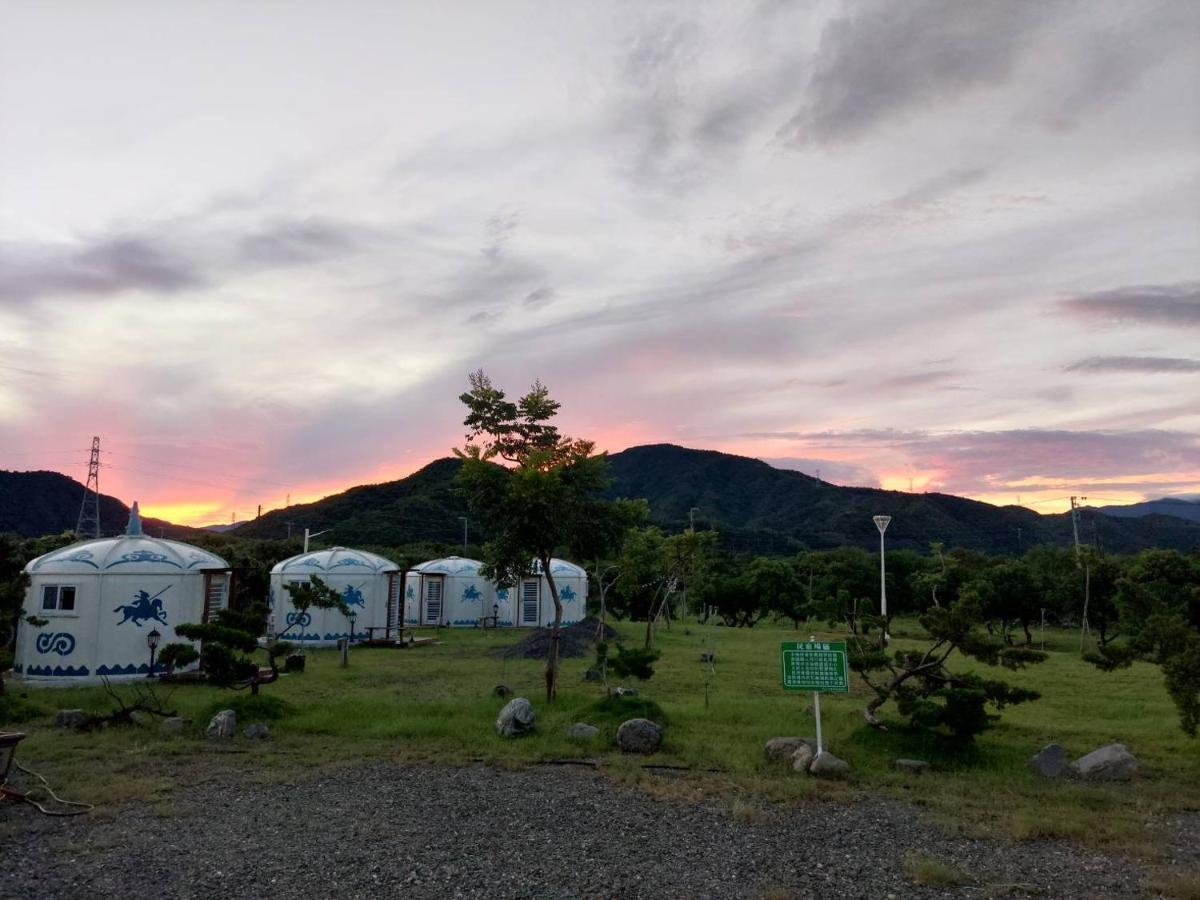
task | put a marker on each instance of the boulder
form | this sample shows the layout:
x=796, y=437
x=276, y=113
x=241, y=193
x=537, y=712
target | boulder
x=626, y=692
x=222, y=726
x=592, y=675
x=828, y=764
x=516, y=718
x=173, y=725
x=582, y=731
x=72, y=718
x=1113, y=762
x=258, y=731
x=1050, y=761
x=294, y=662
x=802, y=758
x=912, y=766
x=501, y=690
x=639, y=736
x=783, y=748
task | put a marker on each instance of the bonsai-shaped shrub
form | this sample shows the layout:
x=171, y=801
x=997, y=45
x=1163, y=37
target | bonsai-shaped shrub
x=637, y=662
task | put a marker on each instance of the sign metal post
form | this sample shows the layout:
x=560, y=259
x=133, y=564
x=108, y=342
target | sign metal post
x=817, y=666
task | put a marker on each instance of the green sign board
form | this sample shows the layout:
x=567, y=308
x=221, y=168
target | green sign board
x=815, y=666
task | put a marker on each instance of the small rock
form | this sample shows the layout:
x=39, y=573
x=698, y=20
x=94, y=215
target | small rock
x=72, y=718
x=1113, y=762
x=707, y=657
x=516, y=718
x=173, y=725
x=626, y=692
x=783, y=748
x=223, y=725
x=802, y=758
x=139, y=718
x=592, y=675
x=639, y=736
x=828, y=764
x=501, y=690
x=1050, y=761
x=259, y=730
x=912, y=766
x=582, y=731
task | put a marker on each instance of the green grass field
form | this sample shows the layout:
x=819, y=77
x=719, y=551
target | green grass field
x=435, y=703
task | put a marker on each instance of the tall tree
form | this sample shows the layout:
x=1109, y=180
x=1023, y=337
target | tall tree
x=535, y=491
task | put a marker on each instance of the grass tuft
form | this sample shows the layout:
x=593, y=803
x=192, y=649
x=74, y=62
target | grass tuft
x=924, y=869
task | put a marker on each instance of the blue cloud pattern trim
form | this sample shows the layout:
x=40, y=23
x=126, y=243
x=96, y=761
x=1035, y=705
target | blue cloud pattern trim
x=57, y=671
x=128, y=669
x=143, y=556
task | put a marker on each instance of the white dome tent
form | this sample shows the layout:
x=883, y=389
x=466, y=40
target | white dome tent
x=451, y=592
x=369, y=584
x=102, y=598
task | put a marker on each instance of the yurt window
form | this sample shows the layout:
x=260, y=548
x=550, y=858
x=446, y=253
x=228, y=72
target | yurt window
x=58, y=598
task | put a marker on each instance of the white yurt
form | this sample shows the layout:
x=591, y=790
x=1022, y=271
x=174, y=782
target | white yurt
x=101, y=600
x=451, y=591
x=369, y=584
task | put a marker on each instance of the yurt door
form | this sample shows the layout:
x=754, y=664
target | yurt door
x=393, y=607
x=215, y=596
x=531, y=601
x=434, y=586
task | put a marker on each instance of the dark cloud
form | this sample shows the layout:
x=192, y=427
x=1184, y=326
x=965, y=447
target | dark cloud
x=920, y=379
x=827, y=470
x=539, y=297
x=297, y=242
x=108, y=267
x=884, y=58
x=1172, y=304
x=1135, y=364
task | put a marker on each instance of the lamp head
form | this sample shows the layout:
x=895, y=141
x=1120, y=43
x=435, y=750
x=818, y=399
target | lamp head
x=153, y=638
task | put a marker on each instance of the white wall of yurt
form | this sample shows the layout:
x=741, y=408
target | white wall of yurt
x=451, y=592
x=102, y=598
x=369, y=584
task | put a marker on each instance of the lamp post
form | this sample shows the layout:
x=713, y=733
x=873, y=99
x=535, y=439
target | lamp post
x=881, y=522
x=352, y=617
x=495, y=615
x=152, y=640
x=308, y=536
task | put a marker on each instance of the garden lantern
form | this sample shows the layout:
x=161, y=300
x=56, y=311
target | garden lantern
x=152, y=640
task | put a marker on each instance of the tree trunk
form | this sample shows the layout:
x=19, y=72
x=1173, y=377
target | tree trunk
x=555, y=634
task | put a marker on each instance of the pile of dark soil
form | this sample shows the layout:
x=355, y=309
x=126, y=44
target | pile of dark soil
x=574, y=640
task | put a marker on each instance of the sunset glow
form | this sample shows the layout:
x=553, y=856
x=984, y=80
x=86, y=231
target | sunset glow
x=261, y=270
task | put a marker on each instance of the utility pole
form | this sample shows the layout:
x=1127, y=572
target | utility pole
x=258, y=515
x=1020, y=545
x=463, y=519
x=692, y=518
x=1075, y=524
x=88, y=523
x=289, y=525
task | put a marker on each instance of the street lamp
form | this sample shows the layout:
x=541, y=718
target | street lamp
x=308, y=536
x=152, y=640
x=881, y=522
x=352, y=617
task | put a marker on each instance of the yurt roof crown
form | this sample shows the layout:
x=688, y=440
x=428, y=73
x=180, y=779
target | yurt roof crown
x=132, y=551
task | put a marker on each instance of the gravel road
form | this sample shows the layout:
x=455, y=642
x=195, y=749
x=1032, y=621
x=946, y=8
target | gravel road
x=382, y=830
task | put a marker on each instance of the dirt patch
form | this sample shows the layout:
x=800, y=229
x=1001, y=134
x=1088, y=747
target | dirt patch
x=574, y=641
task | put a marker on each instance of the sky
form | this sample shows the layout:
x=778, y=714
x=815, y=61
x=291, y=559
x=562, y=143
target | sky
x=923, y=245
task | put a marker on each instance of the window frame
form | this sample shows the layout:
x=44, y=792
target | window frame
x=58, y=610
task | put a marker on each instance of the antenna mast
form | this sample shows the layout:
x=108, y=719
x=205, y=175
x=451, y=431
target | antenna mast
x=88, y=523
